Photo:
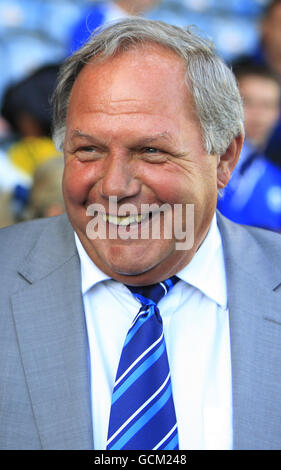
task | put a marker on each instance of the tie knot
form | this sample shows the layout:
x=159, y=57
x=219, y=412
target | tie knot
x=154, y=292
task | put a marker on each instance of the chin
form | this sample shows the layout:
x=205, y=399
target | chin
x=135, y=260
x=126, y=269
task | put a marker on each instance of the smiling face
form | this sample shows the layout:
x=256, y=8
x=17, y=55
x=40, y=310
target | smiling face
x=132, y=133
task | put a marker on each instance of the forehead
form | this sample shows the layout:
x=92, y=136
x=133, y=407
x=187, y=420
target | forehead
x=259, y=85
x=148, y=73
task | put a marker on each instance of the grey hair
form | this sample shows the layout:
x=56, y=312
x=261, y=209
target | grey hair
x=212, y=84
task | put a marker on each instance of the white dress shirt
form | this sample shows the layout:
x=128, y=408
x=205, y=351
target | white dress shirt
x=196, y=328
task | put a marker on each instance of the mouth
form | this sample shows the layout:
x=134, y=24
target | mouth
x=126, y=219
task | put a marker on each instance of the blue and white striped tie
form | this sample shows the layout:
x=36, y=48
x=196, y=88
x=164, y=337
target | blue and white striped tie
x=142, y=412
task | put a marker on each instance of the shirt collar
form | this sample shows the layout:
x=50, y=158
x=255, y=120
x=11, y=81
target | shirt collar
x=90, y=273
x=211, y=280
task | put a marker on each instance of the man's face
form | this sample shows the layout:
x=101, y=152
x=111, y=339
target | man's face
x=132, y=133
x=261, y=107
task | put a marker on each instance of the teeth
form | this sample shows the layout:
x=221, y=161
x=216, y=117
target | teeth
x=125, y=220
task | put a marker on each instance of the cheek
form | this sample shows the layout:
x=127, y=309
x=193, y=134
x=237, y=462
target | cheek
x=169, y=185
x=180, y=186
x=77, y=182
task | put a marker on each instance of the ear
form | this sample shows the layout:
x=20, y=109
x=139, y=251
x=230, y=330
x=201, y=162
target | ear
x=228, y=160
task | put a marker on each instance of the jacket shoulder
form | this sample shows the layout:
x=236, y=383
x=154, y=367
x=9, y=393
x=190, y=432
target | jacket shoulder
x=254, y=249
x=245, y=234
x=17, y=240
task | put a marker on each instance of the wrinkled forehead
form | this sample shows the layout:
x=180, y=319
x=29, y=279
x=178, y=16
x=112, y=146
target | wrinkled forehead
x=149, y=74
x=132, y=55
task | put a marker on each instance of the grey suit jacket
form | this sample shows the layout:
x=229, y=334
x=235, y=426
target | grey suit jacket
x=44, y=373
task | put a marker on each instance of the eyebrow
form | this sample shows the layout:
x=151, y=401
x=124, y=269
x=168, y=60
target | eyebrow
x=149, y=140
x=141, y=141
x=80, y=134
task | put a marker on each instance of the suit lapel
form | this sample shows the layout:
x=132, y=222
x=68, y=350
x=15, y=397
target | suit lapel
x=255, y=327
x=52, y=338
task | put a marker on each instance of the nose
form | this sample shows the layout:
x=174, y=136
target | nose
x=119, y=179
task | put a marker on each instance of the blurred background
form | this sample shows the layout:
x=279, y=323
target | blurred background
x=37, y=35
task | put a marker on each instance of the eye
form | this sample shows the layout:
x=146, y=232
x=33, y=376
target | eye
x=88, y=148
x=151, y=150
x=89, y=153
x=153, y=155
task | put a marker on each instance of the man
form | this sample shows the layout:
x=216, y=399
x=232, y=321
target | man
x=260, y=91
x=268, y=53
x=253, y=195
x=150, y=119
x=269, y=50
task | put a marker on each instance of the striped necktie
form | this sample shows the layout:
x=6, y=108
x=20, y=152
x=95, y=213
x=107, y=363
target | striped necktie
x=142, y=413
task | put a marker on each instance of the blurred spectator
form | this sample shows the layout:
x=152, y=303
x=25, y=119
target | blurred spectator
x=260, y=89
x=46, y=198
x=269, y=50
x=26, y=104
x=6, y=213
x=253, y=195
x=30, y=152
x=268, y=53
x=43, y=199
x=10, y=175
x=26, y=108
x=100, y=13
